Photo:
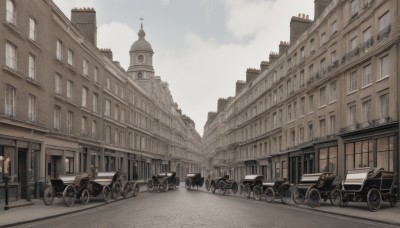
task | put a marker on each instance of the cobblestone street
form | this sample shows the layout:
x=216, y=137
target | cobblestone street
x=196, y=208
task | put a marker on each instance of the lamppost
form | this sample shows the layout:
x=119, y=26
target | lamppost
x=6, y=178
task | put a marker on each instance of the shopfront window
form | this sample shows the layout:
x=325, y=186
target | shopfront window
x=328, y=159
x=385, y=153
x=277, y=169
x=370, y=153
x=284, y=169
x=69, y=165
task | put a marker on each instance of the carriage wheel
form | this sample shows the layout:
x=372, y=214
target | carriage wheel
x=69, y=195
x=116, y=190
x=336, y=197
x=150, y=186
x=85, y=196
x=164, y=186
x=269, y=195
x=257, y=193
x=314, y=197
x=298, y=196
x=188, y=183
x=106, y=191
x=241, y=189
x=212, y=187
x=173, y=185
x=222, y=187
x=374, y=199
x=48, y=195
x=285, y=196
x=125, y=189
x=135, y=191
x=247, y=190
x=234, y=187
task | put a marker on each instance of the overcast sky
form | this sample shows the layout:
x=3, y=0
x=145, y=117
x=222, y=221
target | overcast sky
x=201, y=47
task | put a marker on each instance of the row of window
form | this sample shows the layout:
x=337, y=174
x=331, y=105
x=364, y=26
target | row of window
x=384, y=22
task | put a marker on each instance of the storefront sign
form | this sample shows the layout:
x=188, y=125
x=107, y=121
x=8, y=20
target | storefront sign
x=7, y=142
x=22, y=144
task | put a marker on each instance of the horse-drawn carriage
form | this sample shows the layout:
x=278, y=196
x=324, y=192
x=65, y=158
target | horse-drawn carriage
x=248, y=183
x=68, y=187
x=223, y=184
x=272, y=189
x=367, y=184
x=163, y=182
x=313, y=187
x=193, y=180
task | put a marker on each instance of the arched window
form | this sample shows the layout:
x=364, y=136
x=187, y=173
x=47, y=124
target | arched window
x=140, y=75
x=10, y=12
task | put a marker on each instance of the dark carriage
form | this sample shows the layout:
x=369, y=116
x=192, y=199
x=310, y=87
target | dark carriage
x=367, y=184
x=108, y=184
x=68, y=187
x=273, y=189
x=313, y=187
x=223, y=184
x=163, y=182
x=248, y=183
x=193, y=180
x=173, y=180
x=130, y=188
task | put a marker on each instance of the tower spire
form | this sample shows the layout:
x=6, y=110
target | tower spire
x=141, y=33
x=141, y=20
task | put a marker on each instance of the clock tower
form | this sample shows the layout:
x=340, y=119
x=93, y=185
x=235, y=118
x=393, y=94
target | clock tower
x=141, y=58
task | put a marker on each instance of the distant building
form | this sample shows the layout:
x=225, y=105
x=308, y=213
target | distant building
x=327, y=101
x=68, y=107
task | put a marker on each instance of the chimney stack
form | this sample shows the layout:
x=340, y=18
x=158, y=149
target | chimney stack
x=221, y=104
x=283, y=46
x=239, y=85
x=85, y=20
x=107, y=53
x=319, y=7
x=273, y=56
x=264, y=65
x=251, y=74
x=298, y=25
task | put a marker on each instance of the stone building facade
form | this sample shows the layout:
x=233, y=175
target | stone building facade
x=67, y=107
x=327, y=101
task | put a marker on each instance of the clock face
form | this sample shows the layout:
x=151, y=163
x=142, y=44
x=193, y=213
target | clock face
x=140, y=58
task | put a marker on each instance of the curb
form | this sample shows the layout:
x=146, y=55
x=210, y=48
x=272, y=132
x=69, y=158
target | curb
x=304, y=207
x=66, y=213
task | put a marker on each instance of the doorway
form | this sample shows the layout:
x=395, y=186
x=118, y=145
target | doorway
x=22, y=172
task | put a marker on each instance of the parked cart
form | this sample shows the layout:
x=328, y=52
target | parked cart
x=193, y=180
x=68, y=187
x=248, y=183
x=163, y=182
x=273, y=189
x=373, y=185
x=223, y=184
x=313, y=187
x=130, y=188
x=108, y=184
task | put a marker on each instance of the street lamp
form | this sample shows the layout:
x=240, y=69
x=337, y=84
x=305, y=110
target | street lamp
x=6, y=178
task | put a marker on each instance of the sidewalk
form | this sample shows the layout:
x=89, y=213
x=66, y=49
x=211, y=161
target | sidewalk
x=386, y=214
x=20, y=214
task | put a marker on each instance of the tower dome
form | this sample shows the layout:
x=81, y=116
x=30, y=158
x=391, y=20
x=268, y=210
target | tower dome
x=141, y=44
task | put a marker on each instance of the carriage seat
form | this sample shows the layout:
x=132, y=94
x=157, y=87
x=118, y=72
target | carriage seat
x=327, y=181
x=375, y=173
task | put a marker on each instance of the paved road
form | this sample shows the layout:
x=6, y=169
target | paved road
x=182, y=208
